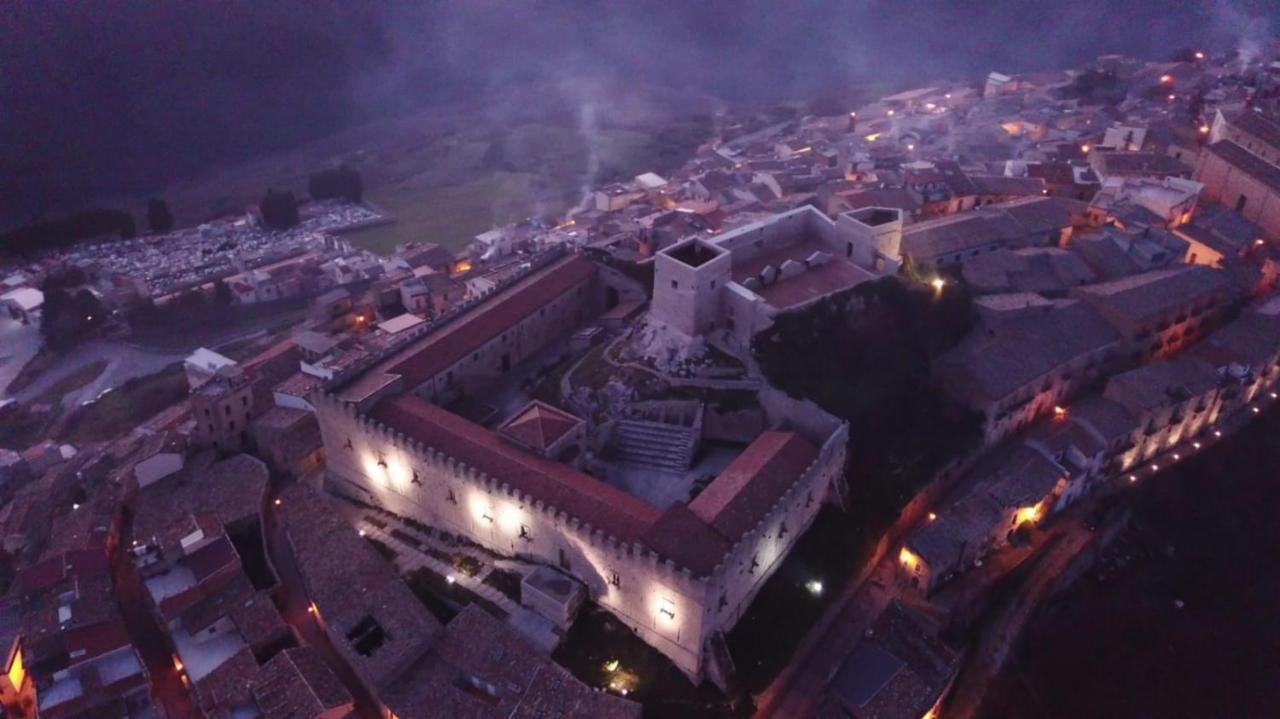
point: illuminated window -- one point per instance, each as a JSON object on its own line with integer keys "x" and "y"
{"x": 667, "y": 609}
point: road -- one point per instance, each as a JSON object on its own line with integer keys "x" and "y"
{"x": 294, "y": 605}
{"x": 149, "y": 638}
{"x": 124, "y": 361}
{"x": 800, "y": 686}
{"x": 18, "y": 344}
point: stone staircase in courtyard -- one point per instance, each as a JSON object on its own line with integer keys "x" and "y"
{"x": 654, "y": 444}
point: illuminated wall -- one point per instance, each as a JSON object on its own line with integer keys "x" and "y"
{"x": 666, "y": 606}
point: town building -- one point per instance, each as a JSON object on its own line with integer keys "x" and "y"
{"x": 222, "y": 408}
{"x": 413, "y": 665}
{"x": 1158, "y": 313}
{"x": 1240, "y": 168}
{"x": 1027, "y": 222}
{"x": 1021, "y": 366}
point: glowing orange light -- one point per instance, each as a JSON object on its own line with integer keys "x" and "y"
{"x": 1199, "y": 55}
{"x": 1059, "y": 412}
{"x": 932, "y": 516}
{"x": 1166, "y": 79}
{"x": 1172, "y": 97}
{"x": 1085, "y": 148}
{"x": 1204, "y": 129}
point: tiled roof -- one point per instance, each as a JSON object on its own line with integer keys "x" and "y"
{"x": 441, "y": 349}
{"x": 993, "y": 362}
{"x": 538, "y": 425}
{"x": 1258, "y": 125}
{"x": 481, "y": 669}
{"x": 1144, "y": 297}
{"x": 745, "y": 491}
{"x": 297, "y": 684}
{"x": 559, "y": 485}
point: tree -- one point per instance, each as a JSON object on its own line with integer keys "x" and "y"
{"x": 69, "y": 318}
{"x": 279, "y": 210}
{"x": 221, "y": 293}
{"x": 159, "y": 218}
{"x": 341, "y": 182}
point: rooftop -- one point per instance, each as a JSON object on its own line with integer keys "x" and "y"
{"x": 559, "y": 485}
{"x": 425, "y": 358}
{"x": 481, "y": 669}
{"x": 297, "y": 683}
{"x": 538, "y": 426}
{"x": 1148, "y": 296}
{"x": 996, "y": 360}
{"x": 1247, "y": 162}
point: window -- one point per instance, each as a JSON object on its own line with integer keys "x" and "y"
{"x": 1240, "y": 203}
{"x": 244, "y": 401}
{"x": 451, "y": 498}
{"x": 415, "y": 479}
{"x": 782, "y": 531}
{"x": 755, "y": 564}
{"x": 227, "y": 408}
{"x": 347, "y": 445}
{"x": 667, "y": 608}
{"x": 675, "y": 285}
{"x": 564, "y": 559}
{"x": 614, "y": 579}
{"x": 524, "y": 534}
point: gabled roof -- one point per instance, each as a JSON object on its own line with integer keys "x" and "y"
{"x": 744, "y": 491}
{"x": 538, "y": 425}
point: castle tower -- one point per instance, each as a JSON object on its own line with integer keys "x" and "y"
{"x": 873, "y": 237}
{"x": 687, "y": 281}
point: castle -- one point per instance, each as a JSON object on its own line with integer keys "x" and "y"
{"x": 680, "y": 576}
{"x": 735, "y": 283}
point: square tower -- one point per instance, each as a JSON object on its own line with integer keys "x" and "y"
{"x": 687, "y": 281}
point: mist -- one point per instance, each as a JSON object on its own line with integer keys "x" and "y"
{"x": 122, "y": 97}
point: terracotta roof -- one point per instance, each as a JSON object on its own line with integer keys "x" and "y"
{"x": 744, "y": 492}
{"x": 296, "y": 683}
{"x": 679, "y": 535}
{"x": 481, "y": 669}
{"x": 564, "y": 488}
{"x": 441, "y": 349}
{"x": 539, "y": 425}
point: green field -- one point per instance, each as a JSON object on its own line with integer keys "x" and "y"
{"x": 445, "y": 180}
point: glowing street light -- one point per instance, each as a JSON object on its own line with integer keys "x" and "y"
{"x": 814, "y": 586}
{"x": 932, "y": 517}
{"x": 1199, "y": 55}
{"x": 938, "y": 283}
{"x": 450, "y": 579}
{"x": 1195, "y": 445}
{"x": 1176, "y": 456}
{"x": 1133, "y": 478}
{"x": 1217, "y": 433}
{"x": 1166, "y": 79}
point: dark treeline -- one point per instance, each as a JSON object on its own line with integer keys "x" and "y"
{"x": 340, "y": 183}
{"x": 52, "y": 234}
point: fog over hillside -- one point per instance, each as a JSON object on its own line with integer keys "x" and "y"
{"x": 111, "y": 97}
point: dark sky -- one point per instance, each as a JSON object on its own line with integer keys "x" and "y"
{"x": 124, "y": 96}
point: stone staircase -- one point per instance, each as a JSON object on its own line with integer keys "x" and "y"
{"x": 654, "y": 444}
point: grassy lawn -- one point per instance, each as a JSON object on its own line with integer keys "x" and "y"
{"x": 450, "y": 215}
{"x": 127, "y": 406}
{"x": 71, "y": 382}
